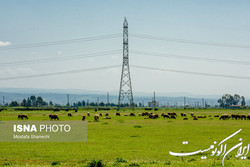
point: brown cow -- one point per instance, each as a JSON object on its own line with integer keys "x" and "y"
{"x": 107, "y": 114}
{"x": 172, "y": 113}
{"x": 118, "y": 114}
{"x": 132, "y": 114}
{"x": 83, "y": 117}
{"x": 22, "y": 116}
{"x": 69, "y": 115}
{"x": 224, "y": 116}
{"x": 53, "y": 117}
{"x": 96, "y": 117}
{"x": 201, "y": 116}
{"x": 243, "y": 116}
{"x": 183, "y": 114}
{"x": 153, "y": 116}
{"x": 173, "y": 117}
{"x": 166, "y": 116}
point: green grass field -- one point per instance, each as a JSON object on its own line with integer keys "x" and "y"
{"x": 131, "y": 141}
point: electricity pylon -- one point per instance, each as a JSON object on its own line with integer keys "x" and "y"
{"x": 125, "y": 84}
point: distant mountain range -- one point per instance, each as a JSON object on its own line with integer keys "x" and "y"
{"x": 59, "y": 96}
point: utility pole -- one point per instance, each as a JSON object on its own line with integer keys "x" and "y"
{"x": 125, "y": 84}
{"x": 154, "y": 103}
{"x": 68, "y": 100}
{"x": 107, "y": 99}
{"x": 184, "y": 101}
{"x": 3, "y": 101}
{"x": 203, "y": 103}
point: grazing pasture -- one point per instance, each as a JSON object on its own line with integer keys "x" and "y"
{"x": 132, "y": 140}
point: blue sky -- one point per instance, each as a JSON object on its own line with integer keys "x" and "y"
{"x": 224, "y": 21}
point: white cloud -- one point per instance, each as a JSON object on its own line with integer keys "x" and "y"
{"x": 4, "y": 43}
{"x": 59, "y": 52}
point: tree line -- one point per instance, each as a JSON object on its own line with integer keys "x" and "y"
{"x": 227, "y": 100}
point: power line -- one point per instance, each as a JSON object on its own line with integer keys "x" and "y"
{"x": 189, "y": 41}
{"x": 61, "y": 73}
{"x": 61, "y": 42}
{"x": 190, "y": 72}
{"x": 81, "y": 56}
{"x": 189, "y": 57}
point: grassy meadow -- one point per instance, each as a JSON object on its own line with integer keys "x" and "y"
{"x": 132, "y": 141}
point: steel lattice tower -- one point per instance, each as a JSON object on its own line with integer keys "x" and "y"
{"x": 125, "y": 84}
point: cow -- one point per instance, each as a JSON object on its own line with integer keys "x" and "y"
{"x": 195, "y": 118}
{"x": 224, "y": 116}
{"x": 173, "y": 117}
{"x": 183, "y": 114}
{"x": 139, "y": 114}
{"x": 69, "y": 115}
{"x": 88, "y": 114}
{"x": 100, "y": 114}
{"x": 153, "y": 116}
{"x": 248, "y": 117}
{"x": 216, "y": 116}
{"x": 75, "y": 110}
{"x": 22, "y": 117}
{"x": 165, "y": 116}
{"x": 172, "y": 113}
{"x": 107, "y": 114}
{"x": 117, "y": 114}
{"x": 53, "y": 117}
{"x": 83, "y": 117}
{"x": 107, "y": 118}
{"x": 201, "y": 116}
{"x": 192, "y": 114}
{"x": 96, "y": 117}
{"x": 185, "y": 118}
{"x": 243, "y": 116}
{"x": 144, "y": 114}
{"x": 132, "y": 114}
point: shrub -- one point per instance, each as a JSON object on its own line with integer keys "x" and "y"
{"x": 138, "y": 126}
{"x": 95, "y": 163}
{"x": 120, "y": 160}
{"x": 167, "y": 163}
{"x": 55, "y": 163}
{"x": 134, "y": 164}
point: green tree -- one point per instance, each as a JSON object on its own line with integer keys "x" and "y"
{"x": 24, "y": 103}
{"x": 243, "y": 102}
{"x": 227, "y": 100}
{"x": 50, "y": 103}
{"x": 33, "y": 101}
{"x": 236, "y": 99}
{"x": 39, "y": 101}
{"x": 13, "y": 104}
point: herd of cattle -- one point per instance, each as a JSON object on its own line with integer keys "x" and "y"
{"x": 150, "y": 115}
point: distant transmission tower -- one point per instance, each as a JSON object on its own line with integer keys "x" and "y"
{"x": 125, "y": 84}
